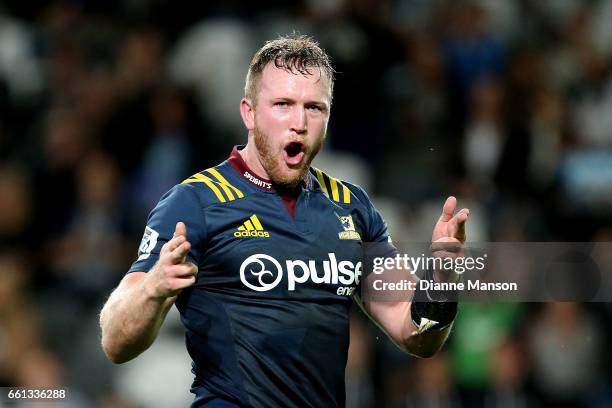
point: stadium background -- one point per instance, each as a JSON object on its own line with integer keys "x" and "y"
{"x": 106, "y": 104}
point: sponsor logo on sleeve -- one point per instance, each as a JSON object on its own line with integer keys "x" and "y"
{"x": 149, "y": 240}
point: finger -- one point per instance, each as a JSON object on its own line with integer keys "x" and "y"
{"x": 460, "y": 217}
{"x": 180, "y": 252}
{"x": 180, "y": 229}
{"x": 173, "y": 244}
{"x": 456, "y": 226}
{"x": 182, "y": 283}
{"x": 461, "y": 236}
{"x": 448, "y": 209}
{"x": 183, "y": 270}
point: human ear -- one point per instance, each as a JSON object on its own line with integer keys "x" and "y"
{"x": 247, "y": 111}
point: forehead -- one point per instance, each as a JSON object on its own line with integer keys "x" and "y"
{"x": 280, "y": 83}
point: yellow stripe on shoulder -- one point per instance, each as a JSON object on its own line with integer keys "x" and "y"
{"x": 334, "y": 189}
{"x": 226, "y": 185}
{"x": 213, "y": 185}
{"x": 203, "y": 179}
{"x": 321, "y": 178}
{"x": 333, "y": 186}
{"x": 346, "y": 194}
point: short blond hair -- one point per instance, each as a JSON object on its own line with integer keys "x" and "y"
{"x": 294, "y": 53}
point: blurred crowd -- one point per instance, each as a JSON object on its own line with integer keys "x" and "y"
{"x": 104, "y": 105}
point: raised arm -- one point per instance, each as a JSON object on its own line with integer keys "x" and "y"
{"x": 134, "y": 312}
{"x": 399, "y": 316}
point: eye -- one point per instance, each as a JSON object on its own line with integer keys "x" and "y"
{"x": 315, "y": 108}
{"x": 281, "y": 104}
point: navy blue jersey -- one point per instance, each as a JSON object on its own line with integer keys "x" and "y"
{"x": 267, "y": 322}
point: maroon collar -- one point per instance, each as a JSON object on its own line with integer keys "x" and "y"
{"x": 243, "y": 170}
{"x": 238, "y": 163}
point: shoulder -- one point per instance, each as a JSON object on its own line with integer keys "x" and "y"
{"x": 212, "y": 186}
{"x": 354, "y": 199}
{"x": 340, "y": 191}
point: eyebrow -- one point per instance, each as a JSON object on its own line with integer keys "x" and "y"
{"x": 311, "y": 102}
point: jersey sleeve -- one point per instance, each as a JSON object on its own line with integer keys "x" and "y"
{"x": 181, "y": 203}
{"x": 376, "y": 243}
{"x": 376, "y": 229}
{"x": 376, "y": 237}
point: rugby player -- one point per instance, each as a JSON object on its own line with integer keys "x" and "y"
{"x": 262, "y": 254}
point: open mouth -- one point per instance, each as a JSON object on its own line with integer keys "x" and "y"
{"x": 294, "y": 148}
{"x": 294, "y": 153}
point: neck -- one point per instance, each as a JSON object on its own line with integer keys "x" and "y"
{"x": 251, "y": 158}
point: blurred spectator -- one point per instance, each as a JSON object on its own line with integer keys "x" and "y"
{"x": 478, "y": 332}
{"x": 64, "y": 142}
{"x": 89, "y": 256}
{"x": 547, "y": 137}
{"x": 212, "y": 58}
{"x": 416, "y": 98}
{"x": 19, "y": 66}
{"x": 362, "y": 46}
{"x": 168, "y": 157}
{"x": 15, "y": 207}
{"x": 484, "y": 136}
{"x": 524, "y": 76}
{"x": 509, "y": 370}
{"x": 18, "y": 322}
{"x": 359, "y": 392}
{"x": 566, "y": 348}
{"x": 138, "y": 70}
{"x": 433, "y": 386}
{"x": 471, "y": 51}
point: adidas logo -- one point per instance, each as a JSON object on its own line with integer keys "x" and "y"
{"x": 251, "y": 228}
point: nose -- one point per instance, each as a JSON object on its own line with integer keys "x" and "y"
{"x": 299, "y": 121}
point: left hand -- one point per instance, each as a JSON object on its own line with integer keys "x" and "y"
{"x": 450, "y": 225}
{"x": 448, "y": 235}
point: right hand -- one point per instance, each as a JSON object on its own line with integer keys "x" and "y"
{"x": 171, "y": 274}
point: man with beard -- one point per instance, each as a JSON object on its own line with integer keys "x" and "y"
{"x": 263, "y": 253}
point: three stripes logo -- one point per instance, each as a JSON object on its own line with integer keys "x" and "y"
{"x": 251, "y": 228}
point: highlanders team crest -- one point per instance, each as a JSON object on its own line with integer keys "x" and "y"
{"x": 349, "y": 228}
{"x": 148, "y": 242}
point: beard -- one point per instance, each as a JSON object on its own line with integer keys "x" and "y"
{"x": 284, "y": 177}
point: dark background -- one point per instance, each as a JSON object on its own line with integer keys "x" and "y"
{"x": 104, "y": 105}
